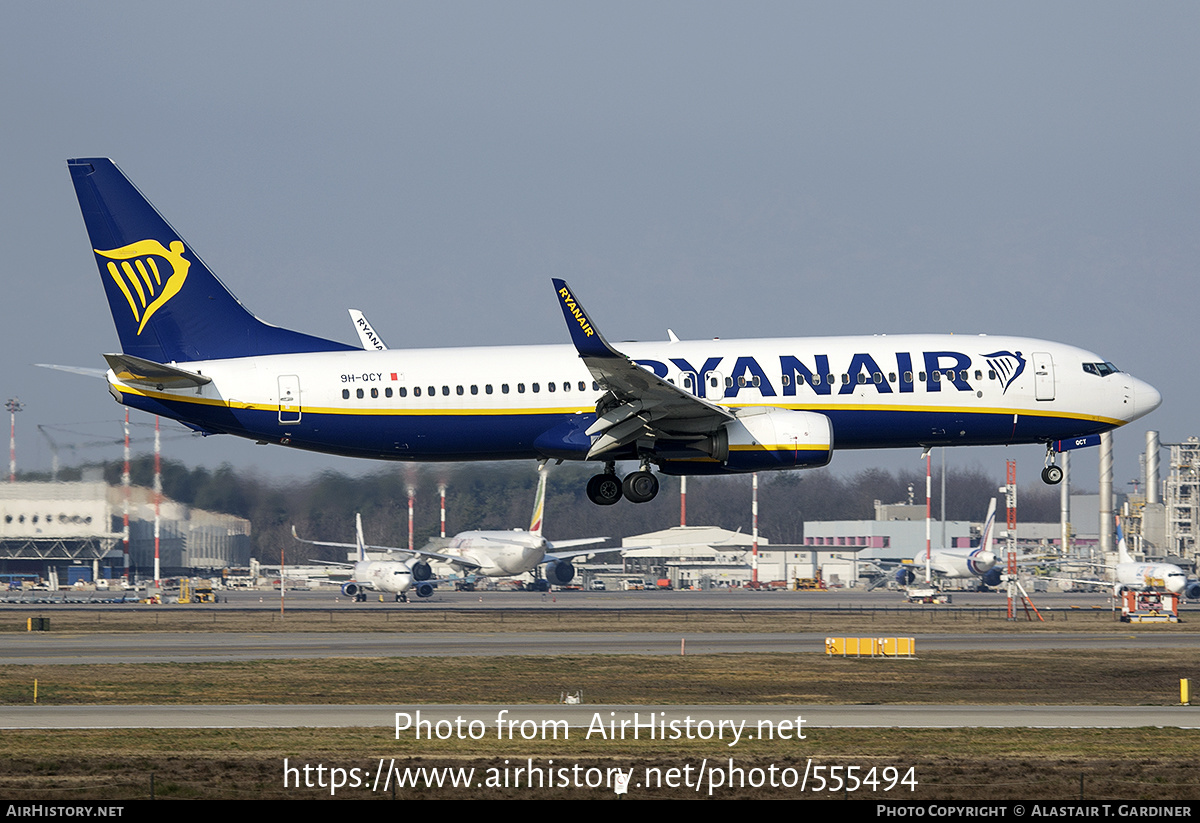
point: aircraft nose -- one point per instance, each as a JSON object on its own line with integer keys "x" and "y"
{"x": 1146, "y": 398}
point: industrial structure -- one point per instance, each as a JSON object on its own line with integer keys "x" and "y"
{"x": 74, "y": 532}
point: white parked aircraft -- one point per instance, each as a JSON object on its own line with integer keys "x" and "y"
{"x": 192, "y": 352}
{"x": 958, "y": 563}
{"x": 512, "y": 553}
{"x": 395, "y": 577}
{"x": 1130, "y": 574}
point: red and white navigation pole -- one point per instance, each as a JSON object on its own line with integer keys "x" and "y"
{"x": 442, "y": 495}
{"x": 411, "y": 492}
{"x": 125, "y": 507}
{"x": 158, "y": 504}
{"x": 754, "y": 516}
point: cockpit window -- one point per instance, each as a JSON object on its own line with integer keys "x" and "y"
{"x": 1100, "y": 369}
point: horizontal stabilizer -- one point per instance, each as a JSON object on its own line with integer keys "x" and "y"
{"x": 84, "y": 370}
{"x": 130, "y": 369}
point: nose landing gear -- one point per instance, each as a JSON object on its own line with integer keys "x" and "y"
{"x": 1052, "y": 475}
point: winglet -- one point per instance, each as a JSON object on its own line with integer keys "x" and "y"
{"x": 588, "y": 340}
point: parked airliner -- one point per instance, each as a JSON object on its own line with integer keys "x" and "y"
{"x": 396, "y": 577}
{"x": 466, "y": 554}
{"x": 191, "y": 351}
{"x": 1132, "y": 575}
{"x": 957, "y": 563}
{"x": 512, "y": 553}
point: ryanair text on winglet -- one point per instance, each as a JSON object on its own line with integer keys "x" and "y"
{"x": 576, "y": 312}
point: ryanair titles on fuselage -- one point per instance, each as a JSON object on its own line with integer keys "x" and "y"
{"x": 950, "y": 368}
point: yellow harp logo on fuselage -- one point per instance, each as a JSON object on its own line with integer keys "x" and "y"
{"x": 139, "y": 278}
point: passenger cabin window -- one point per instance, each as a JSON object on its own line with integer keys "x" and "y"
{"x": 345, "y": 394}
{"x": 359, "y": 392}
{"x": 374, "y": 393}
{"x": 487, "y": 389}
{"x": 504, "y": 388}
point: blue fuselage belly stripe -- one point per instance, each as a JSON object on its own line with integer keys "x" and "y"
{"x": 512, "y": 436}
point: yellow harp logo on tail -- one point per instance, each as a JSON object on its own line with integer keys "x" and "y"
{"x": 139, "y": 278}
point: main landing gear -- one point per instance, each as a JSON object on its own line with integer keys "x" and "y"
{"x": 638, "y": 487}
{"x": 1052, "y": 475}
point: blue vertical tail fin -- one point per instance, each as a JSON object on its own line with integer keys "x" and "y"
{"x": 165, "y": 302}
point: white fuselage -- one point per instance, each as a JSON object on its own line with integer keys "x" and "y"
{"x": 1159, "y": 576}
{"x": 528, "y": 401}
{"x": 961, "y": 563}
{"x": 386, "y": 576}
{"x": 499, "y": 553}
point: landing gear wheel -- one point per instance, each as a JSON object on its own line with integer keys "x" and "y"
{"x": 640, "y": 487}
{"x": 1052, "y": 475}
{"x": 604, "y": 489}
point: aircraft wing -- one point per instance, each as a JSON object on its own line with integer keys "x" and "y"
{"x": 555, "y": 545}
{"x": 551, "y": 556}
{"x": 638, "y": 403}
{"x": 443, "y": 558}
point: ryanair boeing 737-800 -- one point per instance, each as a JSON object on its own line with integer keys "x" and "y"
{"x": 190, "y": 351}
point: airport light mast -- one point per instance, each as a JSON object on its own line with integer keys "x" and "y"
{"x": 13, "y": 405}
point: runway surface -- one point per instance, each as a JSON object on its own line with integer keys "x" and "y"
{"x": 529, "y": 719}
{"x": 174, "y": 647}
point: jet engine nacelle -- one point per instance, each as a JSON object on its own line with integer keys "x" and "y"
{"x": 768, "y": 438}
{"x": 991, "y": 577}
{"x": 351, "y": 589}
{"x": 560, "y": 572}
{"x": 423, "y": 589}
{"x": 421, "y": 571}
{"x": 1192, "y": 590}
{"x": 905, "y": 576}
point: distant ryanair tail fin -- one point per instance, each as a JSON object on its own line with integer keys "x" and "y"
{"x": 165, "y": 302}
